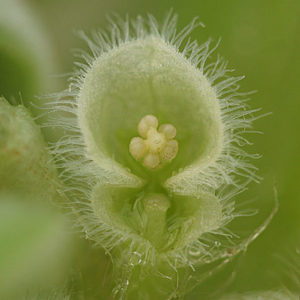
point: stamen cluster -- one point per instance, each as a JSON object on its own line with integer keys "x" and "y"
{"x": 154, "y": 147}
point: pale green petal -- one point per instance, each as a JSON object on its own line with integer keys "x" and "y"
{"x": 148, "y": 77}
{"x": 190, "y": 217}
{"x": 168, "y": 227}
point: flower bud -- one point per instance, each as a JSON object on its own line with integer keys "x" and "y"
{"x": 26, "y": 165}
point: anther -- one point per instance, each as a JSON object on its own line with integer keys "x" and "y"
{"x": 156, "y": 146}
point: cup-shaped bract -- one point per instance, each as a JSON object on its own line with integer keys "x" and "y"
{"x": 153, "y": 141}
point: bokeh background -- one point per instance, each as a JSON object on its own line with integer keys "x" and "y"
{"x": 260, "y": 38}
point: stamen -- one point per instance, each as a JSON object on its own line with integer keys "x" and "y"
{"x": 157, "y": 146}
{"x": 137, "y": 147}
{"x": 151, "y": 161}
{"x": 146, "y": 123}
{"x": 170, "y": 150}
{"x": 168, "y": 129}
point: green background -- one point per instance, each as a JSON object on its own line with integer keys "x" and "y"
{"x": 260, "y": 38}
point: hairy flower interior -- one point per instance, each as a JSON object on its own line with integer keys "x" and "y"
{"x": 148, "y": 77}
{"x": 156, "y": 146}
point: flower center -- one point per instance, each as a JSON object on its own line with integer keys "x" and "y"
{"x": 154, "y": 147}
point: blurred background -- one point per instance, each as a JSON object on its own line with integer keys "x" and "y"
{"x": 260, "y": 39}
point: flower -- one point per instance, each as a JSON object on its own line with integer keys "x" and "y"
{"x": 152, "y": 198}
